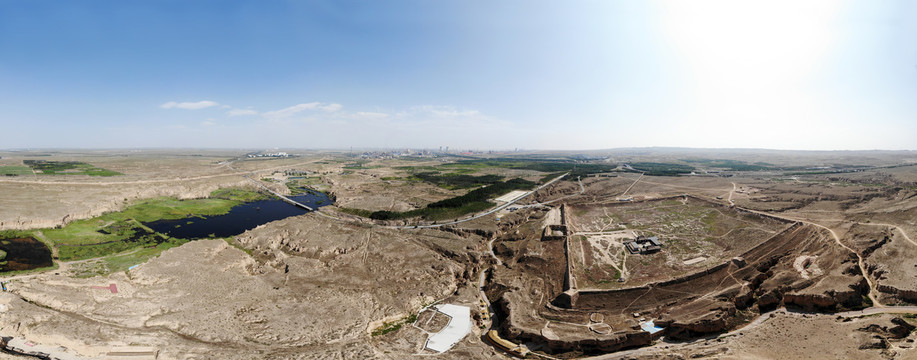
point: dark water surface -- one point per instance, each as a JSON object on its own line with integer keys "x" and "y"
{"x": 239, "y": 219}
{"x": 24, "y": 254}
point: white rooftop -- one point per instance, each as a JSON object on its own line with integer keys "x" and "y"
{"x": 459, "y": 326}
{"x": 24, "y": 346}
{"x": 512, "y": 195}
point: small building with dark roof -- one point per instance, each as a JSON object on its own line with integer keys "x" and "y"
{"x": 644, "y": 245}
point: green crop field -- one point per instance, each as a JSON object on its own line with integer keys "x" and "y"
{"x": 13, "y": 170}
{"x": 46, "y": 167}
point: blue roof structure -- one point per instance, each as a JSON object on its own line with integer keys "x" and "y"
{"x": 650, "y": 327}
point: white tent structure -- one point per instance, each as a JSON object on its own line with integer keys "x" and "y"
{"x": 459, "y": 326}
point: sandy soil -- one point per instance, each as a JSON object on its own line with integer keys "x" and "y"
{"x": 311, "y": 287}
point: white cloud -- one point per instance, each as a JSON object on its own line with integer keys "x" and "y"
{"x": 290, "y": 111}
{"x": 331, "y": 107}
{"x": 444, "y": 111}
{"x": 241, "y": 112}
{"x": 209, "y": 122}
{"x": 369, "y": 115}
{"x": 189, "y": 105}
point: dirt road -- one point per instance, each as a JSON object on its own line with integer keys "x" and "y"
{"x": 671, "y": 345}
{"x": 837, "y": 240}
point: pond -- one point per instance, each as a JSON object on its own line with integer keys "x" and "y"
{"x": 239, "y": 219}
{"x": 24, "y": 254}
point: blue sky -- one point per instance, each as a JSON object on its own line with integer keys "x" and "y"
{"x": 465, "y": 74}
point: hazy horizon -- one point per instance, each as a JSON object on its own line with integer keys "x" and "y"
{"x": 501, "y": 150}
{"x": 815, "y": 75}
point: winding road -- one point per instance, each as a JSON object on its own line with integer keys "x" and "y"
{"x": 837, "y": 239}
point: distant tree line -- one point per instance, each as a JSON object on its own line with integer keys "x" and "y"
{"x": 662, "y": 169}
{"x": 458, "y": 181}
{"x": 475, "y": 200}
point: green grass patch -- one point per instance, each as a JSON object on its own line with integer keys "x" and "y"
{"x": 13, "y": 234}
{"x": 733, "y": 165}
{"x": 454, "y": 181}
{"x": 78, "y": 252}
{"x": 550, "y": 177}
{"x": 542, "y": 165}
{"x": 236, "y": 194}
{"x": 867, "y": 302}
{"x": 394, "y": 325}
{"x": 662, "y": 169}
{"x": 118, "y": 263}
{"x": 46, "y": 167}
{"x": 232, "y": 242}
{"x": 470, "y": 166}
{"x": 120, "y": 231}
{"x": 414, "y": 169}
{"x": 12, "y": 170}
{"x": 474, "y": 201}
{"x": 357, "y": 212}
{"x": 122, "y": 261}
{"x": 360, "y": 164}
{"x": 23, "y": 272}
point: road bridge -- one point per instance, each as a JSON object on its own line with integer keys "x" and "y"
{"x": 284, "y": 198}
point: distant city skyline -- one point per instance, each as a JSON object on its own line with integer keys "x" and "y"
{"x": 584, "y": 75}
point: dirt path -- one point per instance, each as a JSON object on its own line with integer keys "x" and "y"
{"x": 490, "y": 249}
{"x": 679, "y": 186}
{"x": 41, "y": 237}
{"x": 892, "y": 226}
{"x": 837, "y": 240}
{"x": 624, "y": 273}
{"x": 632, "y": 185}
{"x": 872, "y": 286}
{"x": 63, "y": 266}
{"x": 671, "y": 345}
{"x": 730, "y": 194}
